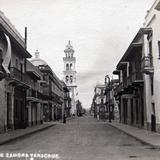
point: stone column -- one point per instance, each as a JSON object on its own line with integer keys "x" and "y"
{"x": 29, "y": 114}
{"x": 147, "y": 86}
{"x": 38, "y": 113}
{"x": 129, "y": 111}
{"x": 134, "y": 111}
{"x": 12, "y": 109}
{"x": 63, "y": 110}
{"x": 41, "y": 113}
{"x": 122, "y": 114}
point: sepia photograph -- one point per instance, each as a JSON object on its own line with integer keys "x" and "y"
{"x": 79, "y": 80}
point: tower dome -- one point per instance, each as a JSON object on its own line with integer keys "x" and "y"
{"x": 69, "y": 48}
{"x": 38, "y": 61}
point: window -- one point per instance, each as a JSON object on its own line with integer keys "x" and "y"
{"x": 71, "y": 79}
{"x": 153, "y": 108}
{"x": 24, "y": 62}
{"x": 150, "y": 47}
{"x": 16, "y": 63}
{"x": 67, "y": 66}
{"x": 101, "y": 91}
{"x": 159, "y": 49}
{"x": 102, "y": 101}
{"x": 21, "y": 67}
{"x": 71, "y": 66}
{"x": 67, "y": 78}
{"x": 152, "y": 86}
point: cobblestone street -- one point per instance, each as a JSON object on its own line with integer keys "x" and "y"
{"x": 82, "y": 139}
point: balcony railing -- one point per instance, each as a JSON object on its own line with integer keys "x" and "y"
{"x": 147, "y": 64}
{"x": 18, "y": 75}
{"x": 32, "y": 93}
{"x": 135, "y": 77}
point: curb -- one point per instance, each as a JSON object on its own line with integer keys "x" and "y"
{"x": 135, "y": 137}
{"x": 25, "y": 134}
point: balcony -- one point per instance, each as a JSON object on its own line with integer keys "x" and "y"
{"x": 34, "y": 96}
{"x": 66, "y": 96}
{"x": 119, "y": 89}
{"x": 69, "y": 58}
{"x": 147, "y": 65}
{"x": 18, "y": 78}
{"x": 32, "y": 93}
{"x": 135, "y": 78}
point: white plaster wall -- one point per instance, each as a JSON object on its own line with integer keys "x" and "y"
{"x": 3, "y": 106}
{"x": 153, "y": 21}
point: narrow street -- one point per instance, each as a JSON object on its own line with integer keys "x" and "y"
{"x": 82, "y": 139}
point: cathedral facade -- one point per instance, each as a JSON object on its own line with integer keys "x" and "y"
{"x": 70, "y": 75}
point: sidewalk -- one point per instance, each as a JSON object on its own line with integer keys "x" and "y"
{"x": 147, "y": 137}
{"x": 20, "y": 133}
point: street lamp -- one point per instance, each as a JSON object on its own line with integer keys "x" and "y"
{"x": 109, "y": 88}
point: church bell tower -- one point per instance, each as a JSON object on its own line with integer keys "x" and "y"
{"x": 70, "y": 74}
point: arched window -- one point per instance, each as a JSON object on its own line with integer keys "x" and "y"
{"x": 71, "y": 66}
{"x": 67, "y": 66}
{"x": 16, "y": 63}
{"x": 71, "y": 79}
{"x": 67, "y": 78}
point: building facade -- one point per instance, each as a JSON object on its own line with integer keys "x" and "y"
{"x": 34, "y": 97}
{"x": 70, "y": 75}
{"x": 152, "y": 72}
{"x": 14, "y": 85}
{"x": 111, "y": 103}
{"x": 52, "y": 90}
{"x": 130, "y": 91}
{"x": 138, "y": 91}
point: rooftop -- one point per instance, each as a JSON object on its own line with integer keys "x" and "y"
{"x": 10, "y": 28}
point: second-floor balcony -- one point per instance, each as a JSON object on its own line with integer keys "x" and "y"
{"x": 147, "y": 64}
{"x": 34, "y": 95}
{"x": 134, "y": 79}
{"x": 18, "y": 78}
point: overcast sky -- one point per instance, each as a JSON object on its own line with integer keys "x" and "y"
{"x": 100, "y": 32}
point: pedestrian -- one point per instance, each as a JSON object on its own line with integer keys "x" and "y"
{"x": 64, "y": 118}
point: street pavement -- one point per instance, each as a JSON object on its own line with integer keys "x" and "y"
{"x": 82, "y": 138}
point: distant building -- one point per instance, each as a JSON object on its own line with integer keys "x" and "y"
{"x": 99, "y": 102}
{"x": 111, "y": 103}
{"x": 67, "y": 101}
{"x": 79, "y": 108}
{"x": 70, "y": 75}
